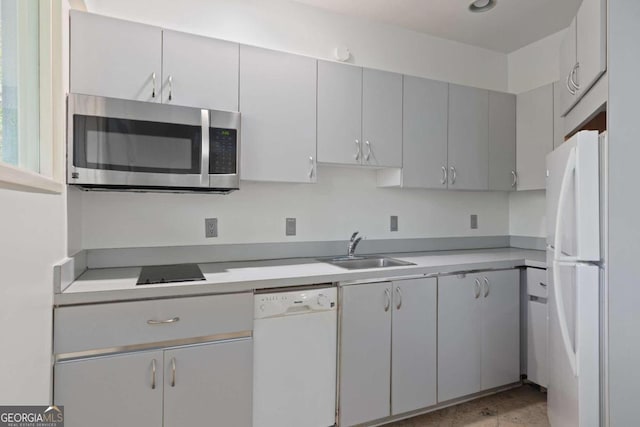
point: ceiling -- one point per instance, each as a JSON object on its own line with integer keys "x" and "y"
{"x": 510, "y": 25}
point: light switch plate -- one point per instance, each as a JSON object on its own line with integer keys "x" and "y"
{"x": 474, "y": 222}
{"x": 210, "y": 227}
{"x": 290, "y": 229}
{"x": 393, "y": 226}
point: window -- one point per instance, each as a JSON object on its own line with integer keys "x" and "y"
{"x": 20, "y": 88}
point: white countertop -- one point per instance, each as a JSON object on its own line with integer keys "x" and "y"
{"x": 119, "y": 284}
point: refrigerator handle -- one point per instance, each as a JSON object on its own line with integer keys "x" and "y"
{"x": 560, "y": 260}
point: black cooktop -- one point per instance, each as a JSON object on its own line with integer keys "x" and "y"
{"x": 169, "y": 274}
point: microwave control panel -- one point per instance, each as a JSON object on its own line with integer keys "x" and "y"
{"x": 223, "y": 151}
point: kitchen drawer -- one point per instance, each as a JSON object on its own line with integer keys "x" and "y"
{"x": 105, "y": 326}
{"x": 537, "y": 282}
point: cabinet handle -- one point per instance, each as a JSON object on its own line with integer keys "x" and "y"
{"x": 443, "y": 181}
{"x": 387, "y": 297}
{"x": 544, "y": 285}
{"x": 163, "y": 322}
{"x": 453, "y": 175}
{"x": 486, "y": 287}
{"x": 153, "y": 78}
{"x": 153, "y": 374}
{"x": 515, "y": 179}
{"x": 399, "y": 293}
{"x": 477, "y": 287}
{"x": 569, "y": 88}
{"x": 368, "y": 155}
{"x": 170, "y": 88}
{"x": 313, "y": 167}
{"x": 574, "y": 76}
{"x": 358, "y": 150}
{"x": 173, "y": 372}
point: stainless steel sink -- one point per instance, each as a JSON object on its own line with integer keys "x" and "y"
{"x": 364, "y": 262}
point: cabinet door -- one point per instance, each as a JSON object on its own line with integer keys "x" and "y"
{"x": 126, "y": 387}
{"x": 199, "y": 72}
{"x": 591, "y": 42}
{"x": 468, "y": 138}
{"x": 537, "y": 344}
{"x": 339, "y": 113}
{"x": 568, "y": 58}
{"x": 424, "y": 133}
{"x": 382, "y": 118}
{"x": 414, "y": 355}
{"x": 459, "y": 327}
{"x": 558, "y": 120}
{"x": 278, "y": 105}
{"x": 365, "y": 353}
{"x": 500, "y": 328}
{"x": 115, "y": 58}
{"x": 502, "y": 141}
{"x": 534, "y": 136}
{"x": 211, "y": 380}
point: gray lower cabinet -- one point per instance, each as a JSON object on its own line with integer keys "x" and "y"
{"x": 388, "y": 349}
{"x": 502, "y": 141}
{"x": 121, "y": 390}
{"x": 365, "y": 353}
{"x": 278, "y": 105}
{"x": 194, "y": 385}
{"x": 413, "y": 345}
{"x": 478, "y": 332}
{"x": 468, "y": 148}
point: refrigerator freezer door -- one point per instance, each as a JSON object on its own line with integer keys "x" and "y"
{"x": 573, "y": 202}
{"x": 574, "y": 396}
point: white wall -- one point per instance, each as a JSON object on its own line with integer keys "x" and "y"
{"x": 32, "y": 240}
{"x": 298, "y": 28}
{"x": 343, "y": 200}
{"x": 532, "y": 66}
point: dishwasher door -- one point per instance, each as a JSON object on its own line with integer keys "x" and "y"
{"x": 295, "y": 353}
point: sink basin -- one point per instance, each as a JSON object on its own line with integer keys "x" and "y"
{"x": 359, "y": 263}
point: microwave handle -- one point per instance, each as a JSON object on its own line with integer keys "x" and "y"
{"x": 204, "y": 168}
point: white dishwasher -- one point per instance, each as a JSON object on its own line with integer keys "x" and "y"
{"x": 294, "y": 358}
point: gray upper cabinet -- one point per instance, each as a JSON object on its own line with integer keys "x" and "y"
{"x": 459, "y": 329}
{"x": 278, "y": 105}
{"x": 535, "y": 136}
{"x": 114, "y": 58}
{"x": 502, "y": 141}
{"x": 468, "y": 138}
{"x": 208, "y": 380}
{"x": 558, "y": 120}
{"x": 339, "y": 113}
{"x": 591, "y": 43}
{"x": 424, "y": 129}
{"x": 199, "y": 71}
{"x": 500, "y": 328}
{"x": 414, "y": 338}
{"x": 128, "y": 386}
{"x": 381, "y": 118}
{"x": 365, "y": 358}
{"x": 568, "y": 60}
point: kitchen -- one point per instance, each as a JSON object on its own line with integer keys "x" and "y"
{"x": 315, "y": 125}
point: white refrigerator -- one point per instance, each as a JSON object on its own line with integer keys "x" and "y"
{"x": 576, "y": 192}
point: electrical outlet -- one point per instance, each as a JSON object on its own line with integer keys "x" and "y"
{"x": 290, "y": 228}
{"x": 474, "y": 222}
{"x": 394, "y": 223}
{"x": 210, "y": 227}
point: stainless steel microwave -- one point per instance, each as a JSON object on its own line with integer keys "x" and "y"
{"x": 122, "y": 145}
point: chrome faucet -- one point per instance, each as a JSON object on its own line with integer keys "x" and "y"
{"x": 353, "y": 243}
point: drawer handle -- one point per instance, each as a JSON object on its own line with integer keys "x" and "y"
{"x": 163, "y": 322}
{"x": 543, "y": 285}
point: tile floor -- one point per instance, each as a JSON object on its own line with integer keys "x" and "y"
{"x": 523, "y": 406}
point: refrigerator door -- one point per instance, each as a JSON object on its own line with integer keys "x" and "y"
{"x": 574, "y": 371}
{"x": 573, "y": 202}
